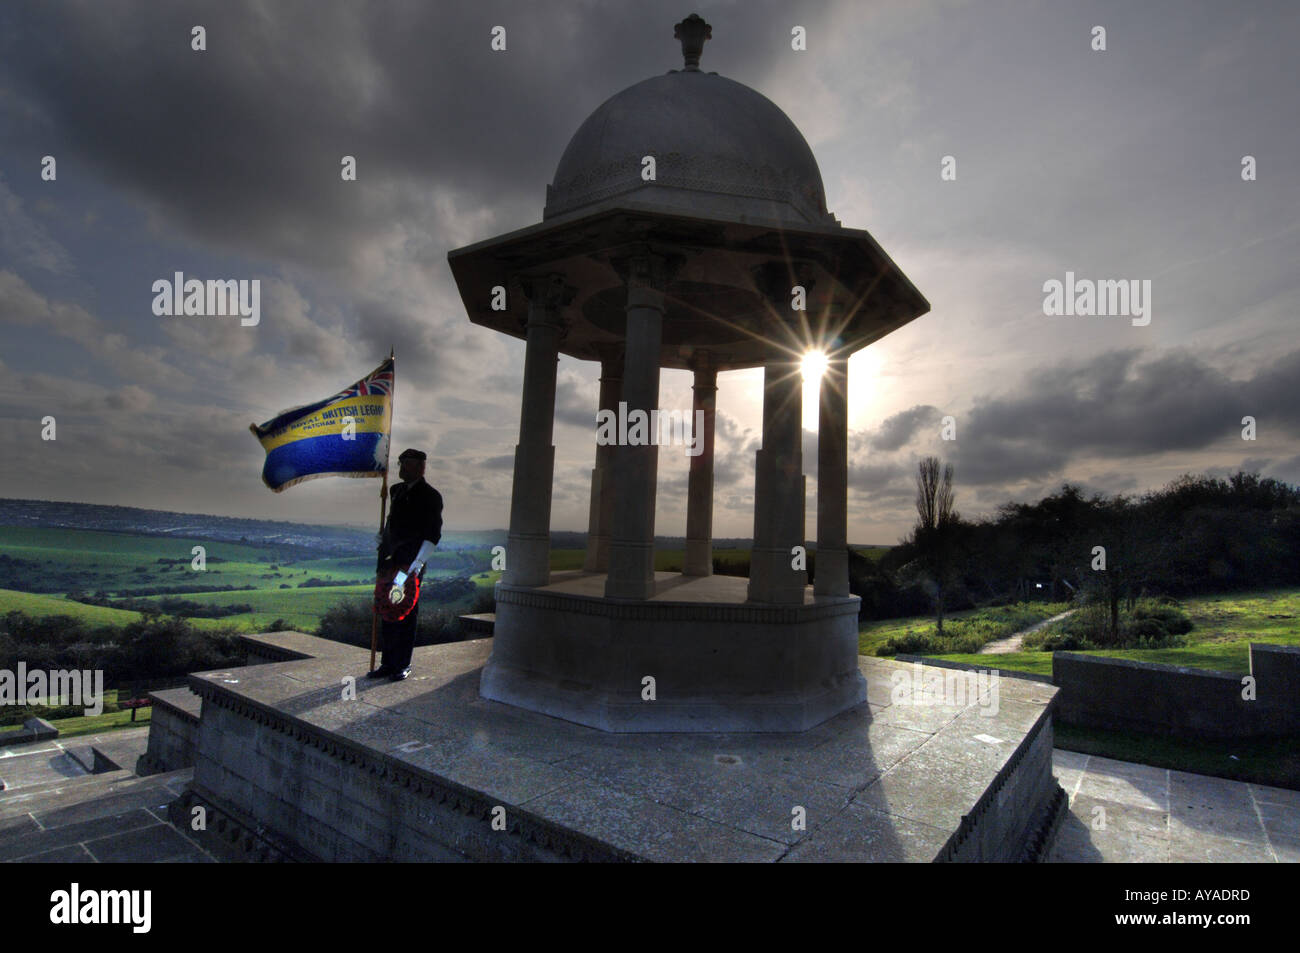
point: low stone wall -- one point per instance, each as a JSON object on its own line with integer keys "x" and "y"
{"x": 327, "y": 799}
{"x": 1277, "y": 676}
{"x": 173, "y": 732}
{"x": 33, "y": 729}
{"x": 1192, "y": 703}
{"x": 263, "y": 651}
{"x": 1016, "y": 817}
{"x": 478, "y": 625}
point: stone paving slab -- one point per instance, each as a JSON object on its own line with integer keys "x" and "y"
{"x": 1122, "y": 812}
{"x": 103, "y": 806}
{"x": 71, "y": 854}
{"x": 859, "y": 830}
{"x": 158, "y": 843}
{"x": 651, "y": 830}
{"x": 1287, "y": 849}
{"x": 1280, "y": 821}
{"x": 927, "y": 788}
{"x": 12, "y": 848}
{"x": 27, "y": 769}
{"x": 40, "y": 765}
{"x": 91, "y": 787}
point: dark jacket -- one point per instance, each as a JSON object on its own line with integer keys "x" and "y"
{"x": 414, "y": 515}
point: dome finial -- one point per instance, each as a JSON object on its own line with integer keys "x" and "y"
{"x": 692, "y": 31}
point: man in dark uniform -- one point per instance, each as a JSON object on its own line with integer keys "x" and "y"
{"x": 414, "y": 516}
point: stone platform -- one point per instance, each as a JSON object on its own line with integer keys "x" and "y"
{"x": 427, "y": 769}
{"x": 719, "y": 661}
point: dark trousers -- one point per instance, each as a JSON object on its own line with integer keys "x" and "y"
{"x": 397, "y": 640}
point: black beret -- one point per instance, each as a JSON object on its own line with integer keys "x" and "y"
{"x": 412, "y": 455}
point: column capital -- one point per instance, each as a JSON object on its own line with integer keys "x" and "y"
{"x": 549, "y": 291}
{"x": 647, "y": 267}
{"x": 547, "y": 295}
{"x": 702, "y": 361}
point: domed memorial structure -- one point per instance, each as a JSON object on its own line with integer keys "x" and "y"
{"x": 686, "y": 219}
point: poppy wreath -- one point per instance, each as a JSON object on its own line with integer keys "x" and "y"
{"x": 388, "y": 611}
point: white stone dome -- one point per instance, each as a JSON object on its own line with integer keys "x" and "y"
{"x": 721, "y": 150}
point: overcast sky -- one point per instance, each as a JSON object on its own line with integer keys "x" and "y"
{"x": 1117, "y": 164}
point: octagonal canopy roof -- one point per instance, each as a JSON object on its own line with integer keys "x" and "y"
{"x": 720, "y": 148}
{"x": 736, "y": 205}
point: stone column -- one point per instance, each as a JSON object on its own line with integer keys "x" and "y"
{"x": 699, "y": 496}
{"x": 528, "y": 550}
{"x": 778, "y": 488}
{"x": 631, "y": 548}
{"x": 601, "y": 513}
{"x": 832, "y": 575}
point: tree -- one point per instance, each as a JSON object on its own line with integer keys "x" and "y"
{"x": 934, "y": 536}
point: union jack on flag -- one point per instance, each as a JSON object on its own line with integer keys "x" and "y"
{"x": 379, "y": 381}
{"x": 343, "y": 435}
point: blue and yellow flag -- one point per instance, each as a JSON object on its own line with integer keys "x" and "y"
{"x": 344, "y": 435}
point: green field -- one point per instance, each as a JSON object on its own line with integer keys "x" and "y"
{"x": 91, "y": 560}
{"x": 39, "y": 605}
{"x": 1224, "y": 627}
{"x": 116, "y": 563}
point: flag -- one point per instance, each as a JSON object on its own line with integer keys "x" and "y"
{"x": 344, "y": 435}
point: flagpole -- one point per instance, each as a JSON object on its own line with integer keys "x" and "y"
{"x": 383, "y": 504}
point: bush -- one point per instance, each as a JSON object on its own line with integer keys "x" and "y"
{"x": 931, "y": 643}
{"x": 149, "y": 649}
{"x": 1153, "y": 624}
{"x": 1169, "y": 617}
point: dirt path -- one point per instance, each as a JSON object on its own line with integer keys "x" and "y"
{"x": 1012, "y": 643}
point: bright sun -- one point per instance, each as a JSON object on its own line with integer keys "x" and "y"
{"x": 813, "y": 365}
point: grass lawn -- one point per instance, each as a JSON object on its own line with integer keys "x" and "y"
{"x": 1275, "y": 762}
{"x": 90, "y": 724}
{"x": 1224, "y": 627}
{"x": 81, "y": 724}
{"x": 39, "y": 606}
{"x": 94, "y": 724}
{"x": 986, "y": 625}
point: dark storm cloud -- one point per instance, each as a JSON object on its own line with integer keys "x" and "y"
{"x": 382, "y": 326}
{"x": 1115, "y": 405}
{"x": 574, "y": 405}
{"x": 733, "y": 457}
{"x": 457, "y": 408}
{"x": 241, "y": 144}
{"x": 901, "y": 427}
{"x": 887, "y": 480}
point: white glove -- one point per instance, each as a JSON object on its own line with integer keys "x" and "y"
{"x": 426, "y": 550}
{"x": 398, "y": 593}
